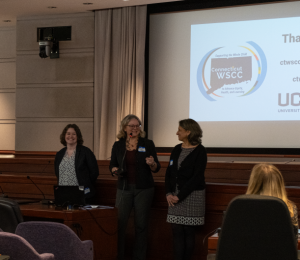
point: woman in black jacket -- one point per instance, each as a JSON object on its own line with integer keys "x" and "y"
{"x": 76, "y": 165}
{"x": 133, "y": 159}
{"x": 185, "y": 188}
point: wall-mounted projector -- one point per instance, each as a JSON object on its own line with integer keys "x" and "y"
{"x": 48, "y": 39}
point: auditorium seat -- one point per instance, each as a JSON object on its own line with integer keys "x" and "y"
{"x": 17, "y": 248}
{"x": 256, "y": 227}
{"x": 10, "y": 215}
{"x": 57, "y": 239}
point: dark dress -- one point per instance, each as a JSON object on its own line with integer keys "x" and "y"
{"x": 185, "y": 179}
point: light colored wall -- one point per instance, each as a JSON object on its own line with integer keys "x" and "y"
{"x": 7, "y": 87}
{"x": 52, "y": 93}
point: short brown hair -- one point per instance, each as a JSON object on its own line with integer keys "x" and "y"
{"x": 191, "y": 125}
{"x": 78, "y": 133}
{"x": 124, "y": 122}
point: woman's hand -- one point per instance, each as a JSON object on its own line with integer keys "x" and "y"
{"x": 114, "y": 169}
{"x": 150, "y": 161}
{"x": 172, "y": 200}
{"x": 175, "y": 199}
{"x": 169, "y": 200}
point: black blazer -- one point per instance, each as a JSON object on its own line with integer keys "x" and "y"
{"x": 144, "y": 178}
{"x": 86, "y": 167}
{"x": 190, "y": 175}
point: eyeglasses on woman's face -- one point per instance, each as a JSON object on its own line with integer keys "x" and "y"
{"x": 134, "y": 126}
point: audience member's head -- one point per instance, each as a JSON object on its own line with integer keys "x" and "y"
{"x": 266, "y": 179}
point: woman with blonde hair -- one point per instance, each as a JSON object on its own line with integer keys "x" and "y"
{"x": 266, "y": 179}
{"x": 133, "y": 160}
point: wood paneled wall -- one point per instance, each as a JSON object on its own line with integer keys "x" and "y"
{"x": 224, "y": 182}
{"x": 52, "y": 93}
{"x": 216, "y": 172}
{"x": 7, "y": 87}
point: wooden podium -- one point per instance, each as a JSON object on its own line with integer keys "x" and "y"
{"x": 99, "y": 225}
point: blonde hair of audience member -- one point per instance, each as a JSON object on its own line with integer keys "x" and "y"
{"x": 266, "y": 179}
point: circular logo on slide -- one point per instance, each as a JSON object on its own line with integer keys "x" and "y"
{"x": 233, "y": 71}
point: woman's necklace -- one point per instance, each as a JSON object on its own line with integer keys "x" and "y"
{"x": 70, "y": 152}
{"x": 130, "y": 146}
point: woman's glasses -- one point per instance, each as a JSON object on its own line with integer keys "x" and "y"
{"x": 134, "y": 126}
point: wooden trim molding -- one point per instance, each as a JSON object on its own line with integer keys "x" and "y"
{"x": 51, "y": 154}
{"x": 30, "y": 154}
{"x": 243, "y": 155}
{"x": 9, "y": 152}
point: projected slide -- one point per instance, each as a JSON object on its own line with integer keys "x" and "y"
{"x": 245, "y": 71}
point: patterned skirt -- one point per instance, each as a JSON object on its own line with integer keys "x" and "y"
{"x": 190, "y": 211}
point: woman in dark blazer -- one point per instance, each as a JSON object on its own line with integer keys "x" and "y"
{"x": 76, "y": 165}
{"x": 185, "y": 188}
{"x": 136, "y": 157}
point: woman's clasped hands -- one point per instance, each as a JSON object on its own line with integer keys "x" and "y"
{"x": 172, "y": 199}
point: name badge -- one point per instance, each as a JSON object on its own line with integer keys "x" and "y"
{"x": 142, "y": 149}
{"x": 171, "y": 162}
{"x": 86, "y": 190}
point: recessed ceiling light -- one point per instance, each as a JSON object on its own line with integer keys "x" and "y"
{"x": 7, "y": 21}
{"x": 125, "y": 0}
{"x": 52, "y": 7}
{"x": 87, "y": 3}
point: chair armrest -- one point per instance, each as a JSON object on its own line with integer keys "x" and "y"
{"x": 47, "y": 256}
{"x": 4, "y": 257}
{"x": 88, "y": 245}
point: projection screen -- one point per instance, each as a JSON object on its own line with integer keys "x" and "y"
{"x": 234, "y": 70}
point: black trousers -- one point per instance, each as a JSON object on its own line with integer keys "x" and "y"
{"x": 140, "y": 200}
{"x": 183, "y": 241}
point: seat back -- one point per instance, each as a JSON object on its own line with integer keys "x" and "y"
{"x": 10, "y": 215}
{"x": 257, "y": 227}
{"x": 55, "y": 238}
{"x": 19, "y": 249}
